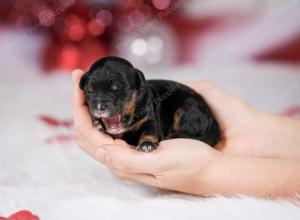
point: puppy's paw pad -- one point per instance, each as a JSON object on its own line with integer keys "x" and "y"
{"x": 147, "y": 146}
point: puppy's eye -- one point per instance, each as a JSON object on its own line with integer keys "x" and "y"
{"x": 114, "y": 87}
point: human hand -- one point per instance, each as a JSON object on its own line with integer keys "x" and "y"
{"x": 178, "y": 164}
{"x": 191, "y": 166}
{"x": 247, "y": 131}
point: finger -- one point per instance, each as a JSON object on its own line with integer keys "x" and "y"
{"x": 139, "y": 178}
{"x": 84, "y": 145}
{"x": 81, "y": 114}
{"x": 126, "y": 159}
{"x": 76, "y": 76}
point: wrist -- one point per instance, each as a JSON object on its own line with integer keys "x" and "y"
{"x": 232, "y": 175}
{"x": 206, "y": 177}
{"x": 290, "y": 127}
{"x": 279, "y": 136}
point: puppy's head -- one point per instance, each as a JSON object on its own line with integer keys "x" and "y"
{"x": 112, "y": 86}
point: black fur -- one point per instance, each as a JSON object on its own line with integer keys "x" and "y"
{"x": 150, "y": 110}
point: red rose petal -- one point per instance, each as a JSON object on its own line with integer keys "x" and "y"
{"x": 49, "y": 120}
{"x": 23, "y": 215}
{"x": 53, "y": 122}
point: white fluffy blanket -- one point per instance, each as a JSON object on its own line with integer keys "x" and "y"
{"x": 43, "y": 170}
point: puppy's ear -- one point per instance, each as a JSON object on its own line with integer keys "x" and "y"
{"x": 140, "y": 79}
{"x": 83, "y": 81}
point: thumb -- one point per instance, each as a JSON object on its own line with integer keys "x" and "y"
{"x": 78, "y": 95}
{"x": 76, "y": 75}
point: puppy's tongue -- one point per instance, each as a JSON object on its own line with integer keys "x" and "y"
{"x": 113, "y": 124}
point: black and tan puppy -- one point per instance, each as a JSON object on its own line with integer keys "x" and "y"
{"x": 144, "y": 112}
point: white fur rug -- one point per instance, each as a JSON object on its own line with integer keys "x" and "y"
{"x": 43, "y": 170}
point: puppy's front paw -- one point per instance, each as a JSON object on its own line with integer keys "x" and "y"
{"x": 98, "y": 125}
{"x": 147, "y": 146}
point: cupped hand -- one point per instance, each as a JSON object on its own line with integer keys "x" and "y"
{"x": 178, "y": 164}
{"x": 247, "y": 131}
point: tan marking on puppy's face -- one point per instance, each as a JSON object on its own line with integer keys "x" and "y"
{"x": 177, "y": 119}
{"x": 129, "y": 107}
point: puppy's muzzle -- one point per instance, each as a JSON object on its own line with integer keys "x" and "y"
{"x": 100, "y": 108}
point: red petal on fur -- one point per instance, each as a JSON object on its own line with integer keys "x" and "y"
{"x": 23, "y": 215}
{"x": 50, "y": 121}
{"x": 67, "y": 123}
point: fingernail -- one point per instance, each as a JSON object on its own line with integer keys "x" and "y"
{"x": 102, "y": 155}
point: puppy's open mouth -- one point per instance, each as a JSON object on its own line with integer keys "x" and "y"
{"x": 114, "y": 124}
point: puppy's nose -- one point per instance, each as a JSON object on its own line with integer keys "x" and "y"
{"x": 102, "y": 106}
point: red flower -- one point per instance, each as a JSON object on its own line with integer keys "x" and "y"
{"x": 21, "y": 215}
